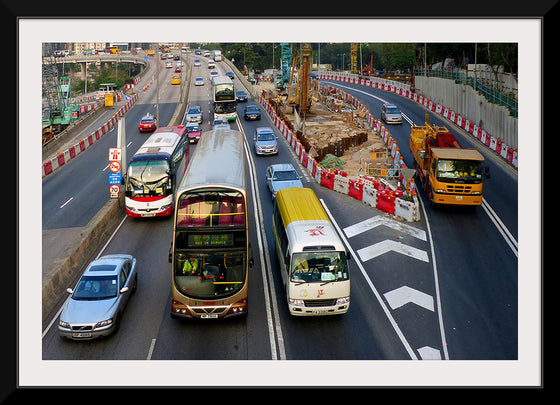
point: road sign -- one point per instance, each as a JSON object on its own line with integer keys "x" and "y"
{"x": 115, "y": 154}
{"x": 114, "y": 178}
{"x": 115, "y": 166}
{"x": 114, "y": 190}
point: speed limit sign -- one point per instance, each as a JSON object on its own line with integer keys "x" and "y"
{"x": 114, "y": 190}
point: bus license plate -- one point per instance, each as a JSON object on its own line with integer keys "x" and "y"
{"x": 458, "y": 198}
{"x": 319, "y": 311}
{"x": 209, "y": 316}
{"x": 149, "y": 215}
{"x": 81, "y": 335}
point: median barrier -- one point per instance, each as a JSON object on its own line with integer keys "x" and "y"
{"x": 355, "y": 189}
{"x": 305, "y": 159}
{"x": 341, "y": 184}
{"x": 377, "y": 194}
{"x": 369, "y": 195}
{"x": 407, "y": 210}
{"x": 69, "y": 264}
{"x": 327, "y": 179}
{"x": 66, "y": 155}
{"x": 506, "y": 152}
{"x": 385, "y": 201}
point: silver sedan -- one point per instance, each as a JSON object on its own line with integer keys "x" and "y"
{"x": 96, "y": 305}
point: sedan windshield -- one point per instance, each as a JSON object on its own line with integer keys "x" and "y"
{"x": 285, "y": 175}
{"x": 96, "y": 288}
{"x": 266, "y": 136}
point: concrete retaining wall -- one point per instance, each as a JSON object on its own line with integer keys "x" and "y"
{"x": 464, "y": 100}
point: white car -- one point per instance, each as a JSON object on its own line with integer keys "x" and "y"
{"x": 281, "y": 175}
{"x": 199, "y": 81}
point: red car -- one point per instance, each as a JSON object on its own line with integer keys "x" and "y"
{"x": 148, "y": 123}
{"x": 193, "y": 132}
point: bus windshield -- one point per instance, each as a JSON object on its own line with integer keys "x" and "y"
{"x": 209, "y": 275}
{"x": 459, "y": 171}
{"x": 319, "y": 267}
{"x": 224, "y": 92}
{"x": 148, "y": 178}
{"x": 218, "y": 207}
{"x": 224, "y": 108}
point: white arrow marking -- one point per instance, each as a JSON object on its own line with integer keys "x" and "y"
{"x": 371, "y": 223}
{"x": 429, "y": 353}
{"x": 403, "y": 295}
{"x": 386, "y": 246}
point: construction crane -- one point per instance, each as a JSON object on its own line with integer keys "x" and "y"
{"x": 304, "y": 85}
{"x": 283, "y": 79}
{"x": 353, "y": 58}
{"x": 58, "y": 110}
{"x": 298, "y": 87}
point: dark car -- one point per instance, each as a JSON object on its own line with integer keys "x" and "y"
{"x": 252, "y": 112}
{"x": 241, "y": 96}
{"x": 193, "y": 130}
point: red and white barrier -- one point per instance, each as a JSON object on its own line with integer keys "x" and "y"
{"x": 62, "y": 157}
{"x": 505, "y": 151}
{"x": 366, "y": 189}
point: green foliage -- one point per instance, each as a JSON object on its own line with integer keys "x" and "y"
{"x": 386, "y": 56}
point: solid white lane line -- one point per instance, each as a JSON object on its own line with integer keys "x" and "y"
{"x": 150, "y": 352}
{"x": 392, "y": 321}
{"x": 70, "y": 199}
{"x": 276, "y": 344}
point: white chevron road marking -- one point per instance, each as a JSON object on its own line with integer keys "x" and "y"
{"x": 376, "y": 221}
{"x": 404, "y": 295}
{"x": 385, "y": 246}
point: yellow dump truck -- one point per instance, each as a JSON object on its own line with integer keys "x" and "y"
{"x": 448, "y": 173}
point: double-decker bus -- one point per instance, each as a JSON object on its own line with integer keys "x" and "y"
{"x": 313, "y": 260}
{"x": 224, "y": 98}
{"x": 209, "y": 253}
{"x": 154, "y": 171}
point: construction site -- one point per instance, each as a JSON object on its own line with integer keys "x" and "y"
{"x": 326, "y": 122}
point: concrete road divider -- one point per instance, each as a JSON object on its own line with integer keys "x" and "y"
{"x": 68, "y": 266}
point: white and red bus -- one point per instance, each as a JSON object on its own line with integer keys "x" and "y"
{"x": 154, "y": 171}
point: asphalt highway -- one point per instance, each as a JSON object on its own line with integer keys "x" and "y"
{"x": 451, "y": 296}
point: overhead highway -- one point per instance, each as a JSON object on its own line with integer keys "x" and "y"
{"x": 444, "y": 287}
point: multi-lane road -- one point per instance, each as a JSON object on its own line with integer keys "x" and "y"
{"x": 445, "y": 287}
